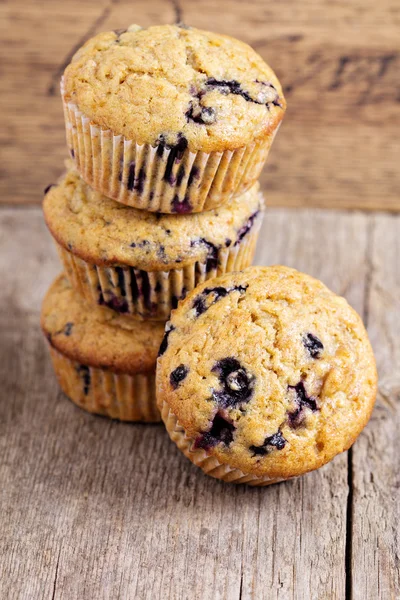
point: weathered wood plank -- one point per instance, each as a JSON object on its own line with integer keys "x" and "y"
{"x": 96, "y": 509}
{"x": 376, "y": 464}
{"x": 338, "y": 63}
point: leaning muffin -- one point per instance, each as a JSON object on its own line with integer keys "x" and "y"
{"x": 170, "y": 119}
{"x": 264, "y": 375}
{"x": 104, "y": 363}
{"x": 141, "y": 263}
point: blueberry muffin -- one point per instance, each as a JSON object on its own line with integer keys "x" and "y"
{"x": 264, "y": 375}
{"x": 170, "y": 119}
{"x": 141, "y": 263}
{"x": 104, "y": 363}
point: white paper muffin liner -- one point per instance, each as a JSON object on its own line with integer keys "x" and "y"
{"x": 209, "y": 464}
{"x": 160, "y": 179}
{"x": 151, "y": 295}
{"x": 127, "y": 397}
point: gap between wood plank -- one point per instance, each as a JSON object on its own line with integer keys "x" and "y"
{"x": 350, "y": 475}
{"x": 51, "y": 90}
{"x": 349, "y": 526}
{"x": 178, "y": 11}
{"x": 55, "y": 80}
{"x": 56, "y": 575}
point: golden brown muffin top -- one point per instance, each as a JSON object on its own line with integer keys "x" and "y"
{"x": 166, "y": 84}
{"x": 105, "y": 232}
{"x": 97, "y": 336}
{"x": 267, "y": 370}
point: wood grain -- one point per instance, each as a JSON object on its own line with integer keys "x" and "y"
{"x": 338, "y": 62}
{"x": 96, "y": 509}
{"x": 375, "y": 565}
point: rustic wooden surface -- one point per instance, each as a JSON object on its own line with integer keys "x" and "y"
{"x": 91, "y": 508}
{"x": 338, "y": 62}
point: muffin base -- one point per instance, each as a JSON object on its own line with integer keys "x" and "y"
{"x": 208, "y": 464}
{"x": 151, "y": 295}
{"x": 160, "y": 179}
{"x": 119, "y": 396}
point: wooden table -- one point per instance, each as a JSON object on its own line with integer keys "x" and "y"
{"x": 93, "y": 509}
{"x": 97, "y": 509}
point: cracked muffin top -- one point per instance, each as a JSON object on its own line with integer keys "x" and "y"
{"x": 105, "y": 232}
{"x": 97, "y": 336}
{"x": 169, "y": 82}
{"x": 268, "y": 371}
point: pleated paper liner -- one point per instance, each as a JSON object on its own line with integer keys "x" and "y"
{"x": 208, "y": 464}
{"x": 123, "y": 396}
{"x": 151, "y": 295}
{"x": 160, "y": 178}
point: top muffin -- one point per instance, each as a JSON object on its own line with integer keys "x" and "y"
{"x": 167, "y": 83}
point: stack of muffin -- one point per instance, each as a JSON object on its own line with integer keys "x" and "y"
{"x": 263, "y": 373}
{"x": 168, "y": 129}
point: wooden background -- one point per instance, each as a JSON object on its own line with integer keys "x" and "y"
{"x": 338, "y": 60}
{"x": 93, "y": 509}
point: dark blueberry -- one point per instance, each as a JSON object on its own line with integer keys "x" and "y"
{"x": 136, "y": 183}
{"x": 134, "y": 287}
{"x": 121, "y": 280}
{"x": 221, "y": 431}
{"x": 234, "y": 87}
{"x": 219, "y": 292}
{"x": 246, "y": 227}
{"x": 273, "y": 441}
{"x": 68, "y": 328}
{"x": 48, "y": 188}
{"x": 181, "y": 208}
{"x": 72, "y": 152}
{"x": 212, "y": 253}
{"x": 199, "y": 303}
{"x": 237, "y": 383}
{"x": 120, "y": 305}
{"x": 296, "y": 417}
{"x": 175, "y": 299}
{"x": 139, "y": 183}
{"x": 131, "y": 177}
{"x": 228, "y": 242}
{"x": 178, "y": 375}
{"x": 313, "y": 345}
{"x": 145, "y": 289}
{"x": 161, "y": 253}
{"x": 175, "y": 154}
{"x": 194, "y": 173}
{"x": 275, "y": 100}
{"x": 202, "y": 115}
{"x": 164, "y": 343}
{"x": 230, "y": 87}
{"x": 180, "y": 175}
{"x": 160, "y": 148}
{"x": 84, "y": 372}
